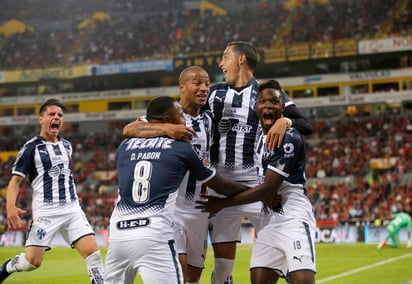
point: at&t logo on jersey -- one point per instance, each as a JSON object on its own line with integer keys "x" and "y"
{"x": 244, "y": 128}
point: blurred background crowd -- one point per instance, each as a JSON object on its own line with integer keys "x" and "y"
{"x": 342, "y": 184}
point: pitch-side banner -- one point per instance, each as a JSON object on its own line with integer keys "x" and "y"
{"x": 30, "y": 75}
{"x": 393, "y": 44}
{"x": 130, "y": 67}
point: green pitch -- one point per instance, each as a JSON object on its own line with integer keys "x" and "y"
{"x": 342, "y": 264}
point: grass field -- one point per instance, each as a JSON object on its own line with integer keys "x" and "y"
{"x": 342, "y": 264}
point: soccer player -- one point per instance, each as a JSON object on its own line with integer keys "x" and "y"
{"x": 150, "y": 171}
{"x": 285, "y": 239}
{"x": 235, "y": 135}
{"x": 399, "y": 220}
{"x": 191, "y": 225}
{"x": 45, "y": 160}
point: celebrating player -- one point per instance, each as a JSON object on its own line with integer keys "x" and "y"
{"x": 45, "y": 161}
{"x": 285, "y": 239}
{"x": 235, "y": 136}
{"x": 150, "y": 171}
{"x": 191, "y": 225}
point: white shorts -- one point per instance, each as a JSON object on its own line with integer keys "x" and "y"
{"x": 190, "y": 235}
{"x": 155, "y": 260}
{"x": 225, "y": 226}
{"x": 72, "y": 226}
{"x": 285, "y": 248}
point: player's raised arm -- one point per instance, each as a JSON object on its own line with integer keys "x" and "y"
{"x": 142, "y": 129}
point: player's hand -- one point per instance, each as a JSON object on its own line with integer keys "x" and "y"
{"x": 211, "y": 204}
{"x": 13, "y": 217}
{"x": 274, "y": 202}
{"x": 181, "y": 132}
{"x": 275, "y": 134}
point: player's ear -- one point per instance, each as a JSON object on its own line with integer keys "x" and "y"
{"x": 165, "y": 118}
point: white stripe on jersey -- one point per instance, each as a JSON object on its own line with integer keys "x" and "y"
{"x": 47, "y": 165}
{"x": 236, "y": 131}
{"x": 190, "y": 188}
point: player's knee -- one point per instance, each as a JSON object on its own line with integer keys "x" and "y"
{"x": 304, "y": 277}
{"x": 225, "y": 250}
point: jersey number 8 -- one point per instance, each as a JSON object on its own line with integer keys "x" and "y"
{"x": 141, "y": 184}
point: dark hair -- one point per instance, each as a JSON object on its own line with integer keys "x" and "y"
{"x": 269, "y": 84}
{"x": 246, "y": 48}
{"x": 158, "y": 107}
{"x": 51, "y": 102}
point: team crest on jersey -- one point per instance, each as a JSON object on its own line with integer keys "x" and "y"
{"x": 41, "y": 233}
{"x": 288, "y": 149}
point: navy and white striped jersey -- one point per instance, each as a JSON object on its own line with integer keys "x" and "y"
{"x": 289, "y": 162}
{"x": 150, "y": 170}
{"x": 190, "y": 187}
{"x": 47, "y": 167}
{"x": 236, "y": 129}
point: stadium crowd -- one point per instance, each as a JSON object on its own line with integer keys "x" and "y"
{"x": 338, "y": 149}
{"x": 135, "y": 29}
{"x": 73, "y": 32}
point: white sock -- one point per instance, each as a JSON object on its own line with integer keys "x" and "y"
{"x": 95, "y": 267}
{"x": 197, "y": 282}
{"x": 19, "y": 263}
{"x": 222, "y": 273}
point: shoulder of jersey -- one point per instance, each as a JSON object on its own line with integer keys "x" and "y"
{"x": 219, "y": 86}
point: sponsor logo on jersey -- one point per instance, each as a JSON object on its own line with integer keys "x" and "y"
{"x": 244, "y": 128}
{"x": 133, "y": 223}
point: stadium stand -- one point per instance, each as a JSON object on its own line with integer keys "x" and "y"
{"x": 342, "y": 183}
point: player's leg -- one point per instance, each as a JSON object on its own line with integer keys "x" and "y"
{"x": 118, "y": 269}
{"x": 263, "y": 276}
{"x": 28, "y": 261}
{"x": 79, "y": 234}
{"x": 302, "y": 276}
{"x": 196, "y": 232}
{"x": 394, "y": 237}
{"x": 160, "y": 263}
{"x": 225, "y": 232}
{"x": 225, "y": 254}
{"x": 36, "y": 244}
{"x": 88, "y": 249}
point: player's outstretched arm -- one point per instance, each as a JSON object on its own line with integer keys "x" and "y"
{"x": 139, "y": 128}
{"x": 13, "y": 212}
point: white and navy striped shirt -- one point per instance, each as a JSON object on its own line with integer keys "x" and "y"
{"x": 47, "y": 167}
{"x": 190, "y": 188}
{"x": 236, "y": 130}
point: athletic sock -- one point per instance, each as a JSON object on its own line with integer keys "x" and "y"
{"x": 95, "y": 267}
{"x": 222, "y": 272}
{"x": 19, "y": 263}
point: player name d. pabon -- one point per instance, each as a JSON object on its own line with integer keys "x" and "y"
{"x": 145, "y": 156}
{"x": 133, "y": 223}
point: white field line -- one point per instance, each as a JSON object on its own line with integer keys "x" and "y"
{"x": 353, "y": 271}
